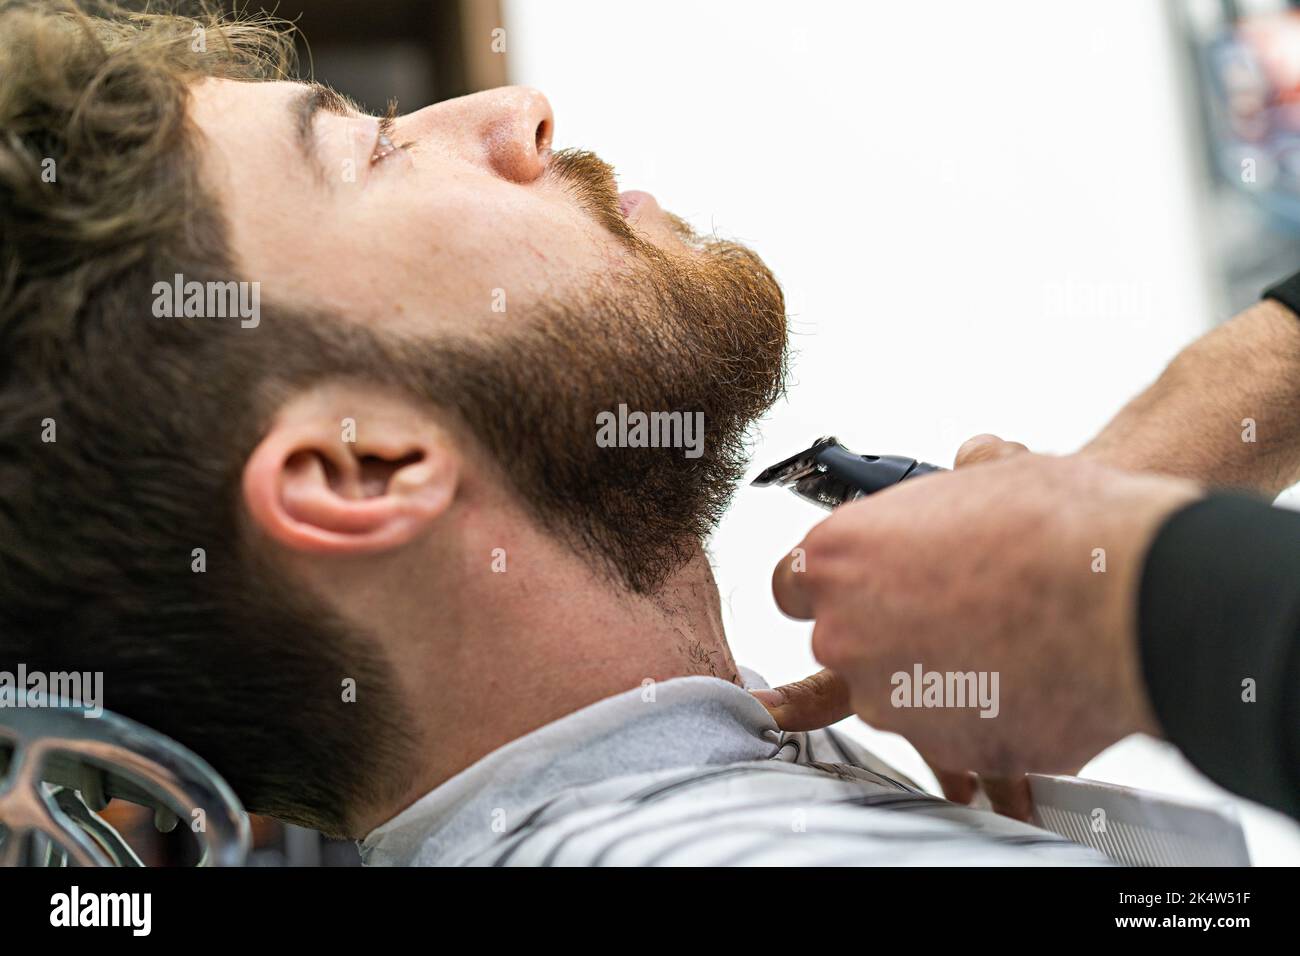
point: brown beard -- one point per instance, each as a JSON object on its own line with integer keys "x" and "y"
{"x": 703, "y": 331}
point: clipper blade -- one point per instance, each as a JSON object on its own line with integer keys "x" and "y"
{"x": 808, "y": 478}
{"x": 795, "y": 467}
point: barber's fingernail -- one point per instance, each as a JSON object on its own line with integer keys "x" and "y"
{"x": 768, "y": 698}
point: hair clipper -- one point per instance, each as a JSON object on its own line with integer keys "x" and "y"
{"x": 828, "y": 474}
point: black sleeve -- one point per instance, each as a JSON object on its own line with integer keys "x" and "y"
{"x": 1219, "y": 629}
{"x": 1287, "y": 292}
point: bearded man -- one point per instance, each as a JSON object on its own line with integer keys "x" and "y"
{"x": 363, "y": 550}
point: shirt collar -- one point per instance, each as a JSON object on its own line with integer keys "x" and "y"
{"x": 683, "y": 722}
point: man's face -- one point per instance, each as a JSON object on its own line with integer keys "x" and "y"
{"x": 324, "y": 212}
{"x": 523, "y": 284}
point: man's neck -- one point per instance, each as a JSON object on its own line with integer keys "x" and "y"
{"x": 518, "y": 631}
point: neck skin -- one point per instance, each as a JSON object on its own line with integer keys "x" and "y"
{"x": 487, "y": 656}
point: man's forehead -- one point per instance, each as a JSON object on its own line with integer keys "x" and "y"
{"x": 244, "y": 130}
{"x": 282, "y": 114}
{"x": 252, "y": 163}
{"x": 213, "y": 94}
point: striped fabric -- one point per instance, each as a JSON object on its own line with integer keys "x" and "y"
{"x": 693, "y": 772}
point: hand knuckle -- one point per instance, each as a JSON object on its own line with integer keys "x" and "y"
{"x": 827, "y": 647}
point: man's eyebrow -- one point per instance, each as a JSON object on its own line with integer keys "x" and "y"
{"x": 316, "y": 98}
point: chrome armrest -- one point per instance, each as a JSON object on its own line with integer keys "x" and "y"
{"x": 57, "y": 750}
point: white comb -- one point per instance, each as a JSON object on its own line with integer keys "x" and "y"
{"x": 1137, "y": 827}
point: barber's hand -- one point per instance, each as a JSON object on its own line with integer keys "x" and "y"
{"x": 995, "y": 568}
{"x": 823, "y": 698}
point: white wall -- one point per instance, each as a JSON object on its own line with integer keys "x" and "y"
{"x": 983, "y": 216}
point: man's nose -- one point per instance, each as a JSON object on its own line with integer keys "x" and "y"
{"x": 514, "y": 125}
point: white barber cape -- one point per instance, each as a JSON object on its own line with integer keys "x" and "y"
{"x": 694, "y": 772}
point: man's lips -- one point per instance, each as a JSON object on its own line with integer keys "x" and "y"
{"x": 634, "y": 201}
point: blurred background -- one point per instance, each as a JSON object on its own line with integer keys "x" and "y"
{"x": 998, "y": 217}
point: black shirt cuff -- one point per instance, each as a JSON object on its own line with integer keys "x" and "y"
{"x": 1287, "y": 292}
{"x": 1219, "y": 606}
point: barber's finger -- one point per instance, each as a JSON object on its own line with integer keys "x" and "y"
{"x": 788, "y": 586}
{"x": 809, "y": 704}
{"x": 986, "y": 448}
{"x": 959, "y": 786}
{"x": 1010, "y": 796}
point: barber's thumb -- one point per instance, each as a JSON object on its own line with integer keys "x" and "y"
{"x": 809, "y": 704}
{"x": 983, "y": 448}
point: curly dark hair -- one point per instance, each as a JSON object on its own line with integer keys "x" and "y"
{"x": 122, "y": 435}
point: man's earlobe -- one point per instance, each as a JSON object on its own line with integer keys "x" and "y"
{"x": 310, "y": 490}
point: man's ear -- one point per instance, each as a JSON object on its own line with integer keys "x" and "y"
{"x": 345, "y": 470}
